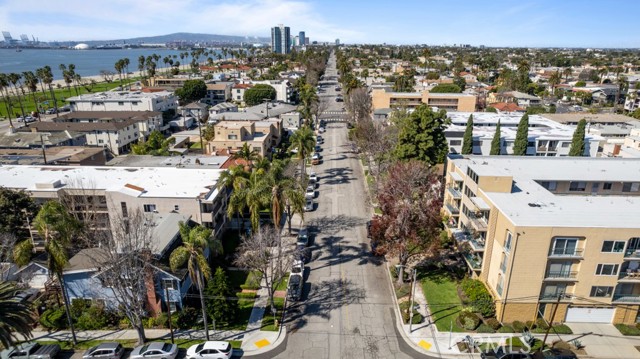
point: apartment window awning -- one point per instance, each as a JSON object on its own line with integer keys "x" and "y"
{"x": 456, "y": 177}
{"x": 480, "y": 203}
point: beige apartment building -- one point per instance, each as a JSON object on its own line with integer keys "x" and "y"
{"x": 537, "y": 229}
{"x": 261, "y": 136}
{"x": 381, "y": 98}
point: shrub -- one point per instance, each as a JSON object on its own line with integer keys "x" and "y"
{"x": 518, "y": 326}
{"x": 562, "y": 329}
{"x": 506, "y": 329}
{"x": 187, "y": 318}
{"x": 483, "y": 328}
{"x": 468, "y": 320}
{"x": 93, "y": 318}
{"x": 162, "y": 320}
{"x": 78, "y": 306}
{"x": 478, "y": 296}
{"x": 628, "y": 329}
{"x": 417, "y": 318}
{"x": 562, "y": 345}
{"x": 403, "y": 291}
{"x": 541, "y": 324}
{"x": 124, "y": 323}
{"x": 246, "y": 295}
{"x": 493, "y": 323}
{"x": 54, "y": 318}
{"x": 531, "y": 324}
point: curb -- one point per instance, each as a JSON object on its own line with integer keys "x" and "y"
{"x": 274, "y": 349}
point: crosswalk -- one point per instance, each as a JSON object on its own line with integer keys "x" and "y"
{"x": 334, "y": 113}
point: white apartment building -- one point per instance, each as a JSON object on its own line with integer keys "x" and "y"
{"x": 124, "y": 101}
{"x": 118, "y": 191}
{"x": 546, "y": 137}
{"x": 284, "y": 89}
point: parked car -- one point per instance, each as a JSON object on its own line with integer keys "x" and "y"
{"x": 303, "y": 253}
{"x": 318, "y": 148}
{"x": 321, "y": 129}
{"x": 29, "y": 119}
{"x": 298, "y": 265}
{"x": 20, "y": 119}
{"x": 210, "y": 350}
{"x": 315, "y": 159}
{"x": 308, "y": 205}
{"x": 50, "y": 111}
{"x": 303, "y": 237}
{"x": 155, "y": 350}
{"x": 554, "y": 353}
{"x": 368, "y": 229}
{"x": 319, "y": 138}
{"x": 104, "y": 351}
{"x": 313, "y": 177}
{"x": 31, "y": 350}
{"x": 502, "y": 353}
{"x": 339, "y": 99}
{"x": 294, "y": 289}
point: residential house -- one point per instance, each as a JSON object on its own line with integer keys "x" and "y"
{"x": 223, "y": 107}
{"x": 537, "y": 231}
{"x": 70, "y": 156}
{"x": 468, "y": 77}
{"x": 237, "y": 92}
{"x": 507, "y": 107}
{"x": 284, "y": 89}
{"x": 232, "y": 135}
{"x": 522, "y": 99}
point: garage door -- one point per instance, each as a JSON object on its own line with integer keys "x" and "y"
{"x": 589, "y": 315}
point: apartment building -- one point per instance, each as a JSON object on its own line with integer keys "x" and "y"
{"x": 218, "y": 93}
{"x": 382, "y": 98}
{"x": 523, "y": 100}
{"x": 538, "y": 229}
{"x": 232, "y": 135}
{"x": 117, "y": 191}
{"x": 546, "y": 137}
{"x": 124, "y": 101}
{"x": 284, "y": 89}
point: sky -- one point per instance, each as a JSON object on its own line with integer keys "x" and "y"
{"x": 540, "y": 23}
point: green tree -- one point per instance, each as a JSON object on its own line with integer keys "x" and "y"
{"x": 522, "y": 137}
{"x": 57, "y": 227}
{"x": 15, "y": 317}
{"x": 155, "y": 145}
{"x": 467, "y": 139}
{"x": 252, "y": 193}
{"x": 460, "y": 82}
{"x": 219, "y": 308}
{"x": 495, "y": 142}
{"x": 192, "y": 91}
{"x": 446, "y": 88}
{"x": 577, "y": 143}
{"x": 15, "y": 206}
{"x": 308, "y": 100}
{"x": 581, "y": 84}
{"x": 195, "y": 242}
{"x": 421, "y": 135}
{"x": 303, "y": 141}
{"x": 258, "y": 94}
{"x": 229, "y": 180}
{"x": 247, "y": 154}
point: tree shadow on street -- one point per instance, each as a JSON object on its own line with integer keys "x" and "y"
{"x": 330, "y": 225}
{"x": 338, "y": 175}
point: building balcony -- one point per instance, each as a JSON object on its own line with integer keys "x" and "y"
{"x": 632, "y": 254}
{"x": 562, "y": 253}
{"x": 473, "y": 261}
{"x": 629, "y": 277}
{"x": 561, "y": 276}
{"x": 626, "y": 298}
{"x": 452, "y": 209}
{"x": 566, "y": 297}
{"x": 454, "y": 193}
{"x": 477, "y": 244}
{"x": 478, "y": 223}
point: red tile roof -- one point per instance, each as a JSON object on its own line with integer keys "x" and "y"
{"x": 506, "y": 107}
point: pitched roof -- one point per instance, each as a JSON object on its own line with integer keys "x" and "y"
{"x": 506, "y": 107}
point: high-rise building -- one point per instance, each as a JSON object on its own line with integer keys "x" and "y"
{"x": 337, "y": 41}
{"x": 306, "y": 41}
{"x": 301, "y": 37}
{"x": 296, "y": 41}
{"x": 281, "y": 39}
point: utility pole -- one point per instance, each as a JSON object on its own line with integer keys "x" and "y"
{"x": 553, "y": 315}
{"x": 166, "y": 295}
{"x": 44, "y": 154}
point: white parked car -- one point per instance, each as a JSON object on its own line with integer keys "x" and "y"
{"x": 313, "y": 177}
{"x": 311, "y": 192}
{"x": 308, "y": 206}
{"x": 210, "y": 350}
{"x": 298, "y": 267}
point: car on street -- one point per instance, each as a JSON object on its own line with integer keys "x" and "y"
{"x": 318, "y": 148}
{"x": 303, "y": 237}
{"x": 50, "y": 111}
{"x": 104, "y": 351}
{"x": 294, "y": 289}
{"x": 313, "y": 177}
{"x": 155, "y": 350}
{"x": 368, "y": 229}
{"x": 339, "y": 99}
{"x": 303, "y": 253}
{"x": 502, "y": 353}
{"x": 31, "y": 350}
{"x": 555, "y": 353}
{"x": 319, "y": 139}
{"x": 298, "y": 265}
{"x": 311, "y": 192}
{"x": 210, "y": 350}
{"x": 315, "y": 159}
{"x": 321, "y": 129}
{"x": 308, "y": 205}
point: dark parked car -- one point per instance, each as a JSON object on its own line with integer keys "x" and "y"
{"x": 303, "y": 253}
{"x": 294, "y": 290}
{"x": 31, "y": 351}
{"x": 502, "y": 353}
{"x": 554, "y": 353}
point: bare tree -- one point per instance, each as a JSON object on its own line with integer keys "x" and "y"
{"x": 126, "y": 256}
{"x": 89, "y": 206}
{"x": 7, "y": 243}
{"x": 358, "y": 104}
{"x": 376, "y": 140}
{"x": 259, "y": 252}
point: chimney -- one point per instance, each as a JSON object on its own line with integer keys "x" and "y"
{"x": 616, "y": 150}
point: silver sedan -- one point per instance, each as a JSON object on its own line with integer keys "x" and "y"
{"x": 155, "y": 350}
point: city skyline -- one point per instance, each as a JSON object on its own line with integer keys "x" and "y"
{"x": 543, "y": 23}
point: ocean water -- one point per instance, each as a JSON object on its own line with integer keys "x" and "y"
{"x": 87, "y": 62}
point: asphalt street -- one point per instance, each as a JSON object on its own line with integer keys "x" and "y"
{"x": 346, "y": 307}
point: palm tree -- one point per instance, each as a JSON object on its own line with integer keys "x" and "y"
{"x": 252, "y": 193}
{"x": 15, "y": 317}
{"x": 126, "y": 62}
{"x": 554, "y": 79}
{"x": 247, "y": 154}
{"x": 228, "y": 181}
{"x": 57, "y": 227}
{"x": 14, "y": 79}
{"x": 304, "y": 142}
{"x": 4, "y": 87}
{"x": 309, "y": 99}
{"x": 196, "y": 242}
{"x": 119, "y": 66}
{"x": 66, "y": 76}
{"x": 48, "y": 80}
{"x": 567, "y": 72}
{"x": 31, "y": 81}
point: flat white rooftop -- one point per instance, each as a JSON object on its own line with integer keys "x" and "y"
{"x": 152, "y": 182}
{"x": 120, "y": 96}
{"x": 530, "y": 204}
{"x": 484, "y": 126}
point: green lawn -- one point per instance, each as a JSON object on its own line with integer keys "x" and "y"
{"x": 267, "y": 320}
{"x": 282, "y": 285}
{"x": 440, "y": 289}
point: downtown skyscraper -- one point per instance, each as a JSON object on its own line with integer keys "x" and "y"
{"x": 281, "y": 39}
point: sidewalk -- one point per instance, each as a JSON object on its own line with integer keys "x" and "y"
{"x": 130, "y": 334}
{"x": 258, "y": 341}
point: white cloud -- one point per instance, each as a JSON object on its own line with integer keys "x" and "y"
{"x": 89, "y": 20}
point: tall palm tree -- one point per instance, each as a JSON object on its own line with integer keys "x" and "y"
{"x": 66, "y": 76}
{"x": 196, "y": 241}
{"x": 254, "y": 193}
{"x": 304, "y": 142}
{"x": 48, "y": 80}
{"x": 57, "y": 227}
{"x": 31, "y": 81}
{"x": 14, "y": 79}
{"x": 4, "y": 88}
{"x": 247, "y": 154}
{"x": 554, "y": 79}
{"x": 119, "y": 66}
{"x": 227, "y": 182}
{"x": 126, "y": 63}
{"x": 15, "y": 317}
{"x": 309, "y": 99}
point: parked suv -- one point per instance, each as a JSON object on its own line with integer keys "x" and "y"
{"x": 31, "y": 351}
{"x": 294, "y": 291}
{"x": 303, "y": 237}
{"x": 104, "y": 351}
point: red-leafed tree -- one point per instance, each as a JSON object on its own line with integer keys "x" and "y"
{"x": 411, "y": 221}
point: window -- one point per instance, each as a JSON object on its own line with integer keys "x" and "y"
{"x": 123, "y": 205}
{"x": 594, "y": 187}
{"x": 149, "y": 208}
{"x": 565, "y": 246}
{"x": 613, "y": 246}
{"x": 100, "y": 141}
{"x": 578, "y": 186}
{"x": 468, "y": 192}
{"x": 120, "y": 103}
{"x": 472, "y": 175}
{"x": 631, "y": 187}
{"x": 500, "y": 284}
{"x": 176, "y": 207}
{"x": 601, "y": 291}
{"x": 507, "y": 242}
{"x": 503, "y": 263}
{"x": 549, "y": 185}
{"x": 455, "y": 142}
{"x": 232, "y": 137}
{"x": 169, "y": 284}
{"x": 607, "y": 269}
{"x": 607, "y": 186}
{"x": 554, "y": 290}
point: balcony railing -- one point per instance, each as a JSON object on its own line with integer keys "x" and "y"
{"x": 554, "y": 296}
{"x": 561, "y": 275}
{"x": 454, "y": 192}
{"x": 452, "y": 209}
{"x": 477, "y": 243}
{"x": 629, "y": 275}
{"x": 474, "y": 262}
{"x": 632, "y": 253}
{"x": 478, "y": 223}
{"x": 566, "y": 253}
{"x": 626, "y": 298}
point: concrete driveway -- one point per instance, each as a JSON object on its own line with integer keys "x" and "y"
{"x": 604, "y": 341}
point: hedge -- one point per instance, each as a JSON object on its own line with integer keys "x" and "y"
{"x": 628, "y": 329}
{"x": 483, "y": 328}
{"x": 479, "y": 298}
{"x": 468, "y": 320}
{"x": 246, "y": 295}
{"x": 506, "y": 329}
{"x": 518, "y": 326}
{"x": 493, "y": 323}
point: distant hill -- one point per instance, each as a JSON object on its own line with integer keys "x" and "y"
{"x": 183, "y": 36}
